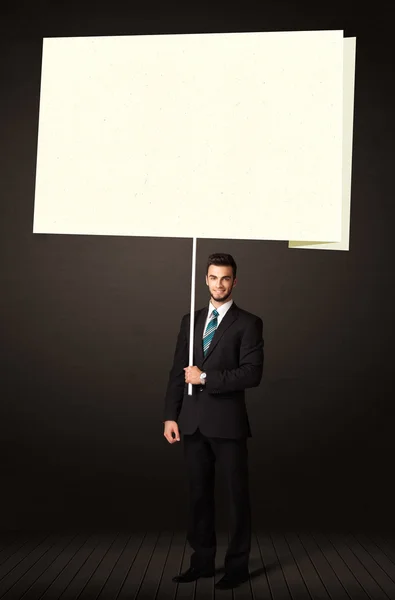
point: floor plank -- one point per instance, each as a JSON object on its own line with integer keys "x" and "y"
{"x": 27, "y": 575}
{"x": 348, "y": 579}
{"x": 292, "y": 575}
{"x": 9, "y": 541}
{"x": 140, "y": 566}
{"x": 84, "y": 574}
{"x": 324, "y": 569}
{"x": 153, "y": 575}
{"x": 372, "y": 564}
{"x": 275, "y": 576}
{"x": 10, "y": 547}
{"x": 172, "y": 567}
{"x": 73, "y": 566}
{"x": 22, "y": 560}
{"x": 122, "y": 566}
{"x": 365, "y": 578}
{"x": 46, "y": 579}
{"x": 378, "y": 554}
{"x": 386, "y": 546}
{"x": 307, "y": 570}
{"x": 18, "y": 553}
{"x": 136, "y": 574}
{"x": 100, "y": 576}
{"x": 260, "y": 589}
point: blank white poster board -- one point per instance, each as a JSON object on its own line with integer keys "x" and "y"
{"x": 234, "y": 135}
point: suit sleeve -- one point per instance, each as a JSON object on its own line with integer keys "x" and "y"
{"x": 250, "y": 369}
{"x": 176, "y": 383}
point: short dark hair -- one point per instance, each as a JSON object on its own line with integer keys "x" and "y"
{"x": 222, "y": 260}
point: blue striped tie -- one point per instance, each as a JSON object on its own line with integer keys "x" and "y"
{"x": 210, "y": 330}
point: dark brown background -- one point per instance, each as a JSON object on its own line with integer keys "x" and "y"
{"x": 88, "y": 324}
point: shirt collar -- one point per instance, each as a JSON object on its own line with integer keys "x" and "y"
{"x": 222, "y": 309}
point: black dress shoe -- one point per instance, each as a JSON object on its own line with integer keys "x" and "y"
{"x": 193, "y": 573}
{"x": 230, "y": 581}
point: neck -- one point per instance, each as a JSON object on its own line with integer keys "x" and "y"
{"x": 218, "y": 304}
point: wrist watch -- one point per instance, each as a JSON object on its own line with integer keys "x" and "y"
{"x": 203, "y": 377}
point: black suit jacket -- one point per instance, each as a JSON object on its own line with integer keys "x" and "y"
{"x": 233, "y": 363}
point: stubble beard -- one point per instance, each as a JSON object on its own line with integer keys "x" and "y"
{"x": 222, "y": 299}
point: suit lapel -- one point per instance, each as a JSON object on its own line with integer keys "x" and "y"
{"x": 226, "y": 322}
{"x": 198, "y": 336}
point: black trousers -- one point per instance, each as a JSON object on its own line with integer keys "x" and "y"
{"x": 201, "y": 454}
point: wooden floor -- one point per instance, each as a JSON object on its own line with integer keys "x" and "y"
{"x": 283, "y": 566}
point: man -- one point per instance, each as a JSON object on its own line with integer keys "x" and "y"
{"x": 228, "y": 357}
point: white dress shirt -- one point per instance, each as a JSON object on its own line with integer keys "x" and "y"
{"x": 222, "y": 310}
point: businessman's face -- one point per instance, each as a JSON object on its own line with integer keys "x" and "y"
{"x": 220, "y": 282}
